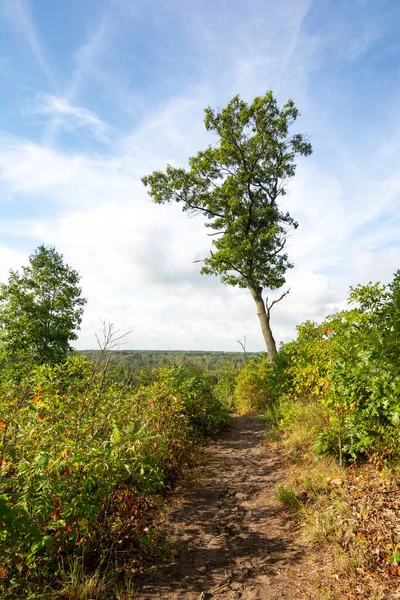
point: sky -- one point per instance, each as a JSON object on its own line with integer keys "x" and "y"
{"x": 96, "y": 94}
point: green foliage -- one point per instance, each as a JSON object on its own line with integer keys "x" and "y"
{"x": 236, "y": 184}
{"x": 225, "y": 386}
{"x": 133, "y": 362}
{"x": 252, "y": 388}
{"x": 349, "y": 366}
{"x": 40, "y": 310}
{"x": 288, "y": 496}
{"x": 82, "y": 454}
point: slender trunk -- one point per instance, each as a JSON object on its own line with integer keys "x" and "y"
{"x": 264, "y": 317}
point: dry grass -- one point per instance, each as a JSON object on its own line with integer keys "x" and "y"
{"x": 351, "y": 516}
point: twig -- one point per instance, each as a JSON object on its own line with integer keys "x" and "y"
{"x": 276, "y": 301}
{"x": 243, "y": 345}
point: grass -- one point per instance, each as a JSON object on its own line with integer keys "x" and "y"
{"x": 77, "y": 584}
{"x": 288, "y": 497}
{"x": 333, "y": 506}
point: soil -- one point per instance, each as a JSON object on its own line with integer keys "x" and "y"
{"x": 229, "y": 536}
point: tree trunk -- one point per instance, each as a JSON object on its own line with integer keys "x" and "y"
{"x": 264, "y": 317}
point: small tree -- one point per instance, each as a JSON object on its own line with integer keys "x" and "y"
{"x": 236, "y": 185}
{"x": 40, "y": 309}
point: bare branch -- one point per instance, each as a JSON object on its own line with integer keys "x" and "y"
{"x": 243, "y": 345}
{"x": 111, "y": 337}
{"x": 276, "y": 301}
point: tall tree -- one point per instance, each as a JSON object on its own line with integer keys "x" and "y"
{"x": 40, "y": 309}
{"x": 236, "y": 184}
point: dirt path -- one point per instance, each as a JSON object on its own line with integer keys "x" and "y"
{"x": 230, "y": 539}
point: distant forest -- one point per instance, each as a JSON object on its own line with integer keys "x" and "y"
{"x": 135, "y": 361}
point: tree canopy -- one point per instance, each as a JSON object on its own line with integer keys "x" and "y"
{"x": 40, "y": 308}
{"x": 236, "y": 184}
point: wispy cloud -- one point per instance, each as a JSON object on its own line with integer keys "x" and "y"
{"x": 19, "y": 14}
{"x": 85, "y": 58}
{"x": 88, "y": 53}
{"x": 62, "y": 113}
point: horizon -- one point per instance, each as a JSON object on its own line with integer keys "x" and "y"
{"x": 176, "y": 350}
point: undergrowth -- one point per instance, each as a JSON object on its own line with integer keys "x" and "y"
{"x": 350, "y": 514}
{"x": 84, "y": 459}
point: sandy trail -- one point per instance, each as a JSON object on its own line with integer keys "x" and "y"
{"x": 228, "y": 533}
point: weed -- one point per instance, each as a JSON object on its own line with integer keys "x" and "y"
{"x": 287, "y": 496}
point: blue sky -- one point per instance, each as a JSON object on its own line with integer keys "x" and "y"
{"x": 95, "y": 94}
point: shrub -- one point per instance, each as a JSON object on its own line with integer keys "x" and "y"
{"x": 225, "y": 385}
{"x": 81, "y": 456}
{"x": 349, "y": 366}
{"x": 252, "y": 387}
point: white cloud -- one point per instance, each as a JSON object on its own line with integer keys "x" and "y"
{"x": 136, "y": 258}
{"x": 63, "y": 113}
{"x": 10, "y": 259}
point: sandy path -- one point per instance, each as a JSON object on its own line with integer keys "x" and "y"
{"x": 229, "y": 533}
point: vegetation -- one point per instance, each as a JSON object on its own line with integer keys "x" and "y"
{"x": 236, "y": 184}
{"x": 86, "y": 449}
{"x": 251, "y": 390}
{"x": 40, "y": 310}
{"x": 90, "y": 442}
{"x": 348, "y": 368}
{"x": 82, "y": 457}
{"x": 335, "y": 397}
{"x": 133, "y": 363}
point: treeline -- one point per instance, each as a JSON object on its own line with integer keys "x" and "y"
{"x": 135, "y": 361}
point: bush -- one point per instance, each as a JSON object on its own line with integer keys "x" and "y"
{"x": 252, "y": 385}
{"x": 225, "y": 385}
{"x": 349, "y": 367}
{"x": 81, "y": 456}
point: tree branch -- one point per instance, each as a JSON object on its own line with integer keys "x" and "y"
{"x": 275, "y": 301}
{"x": 281, "y": 247}
{"x": 200, "y": 208}
{"x": 243, "y": 345}
{"x": 204, "y": 210}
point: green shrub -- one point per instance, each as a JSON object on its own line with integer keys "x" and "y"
{"x": 349, "y": 367}
{"x": 252, "y": 385}
{"x": 225, "y": 385}
{"x": 81, "y": 456}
